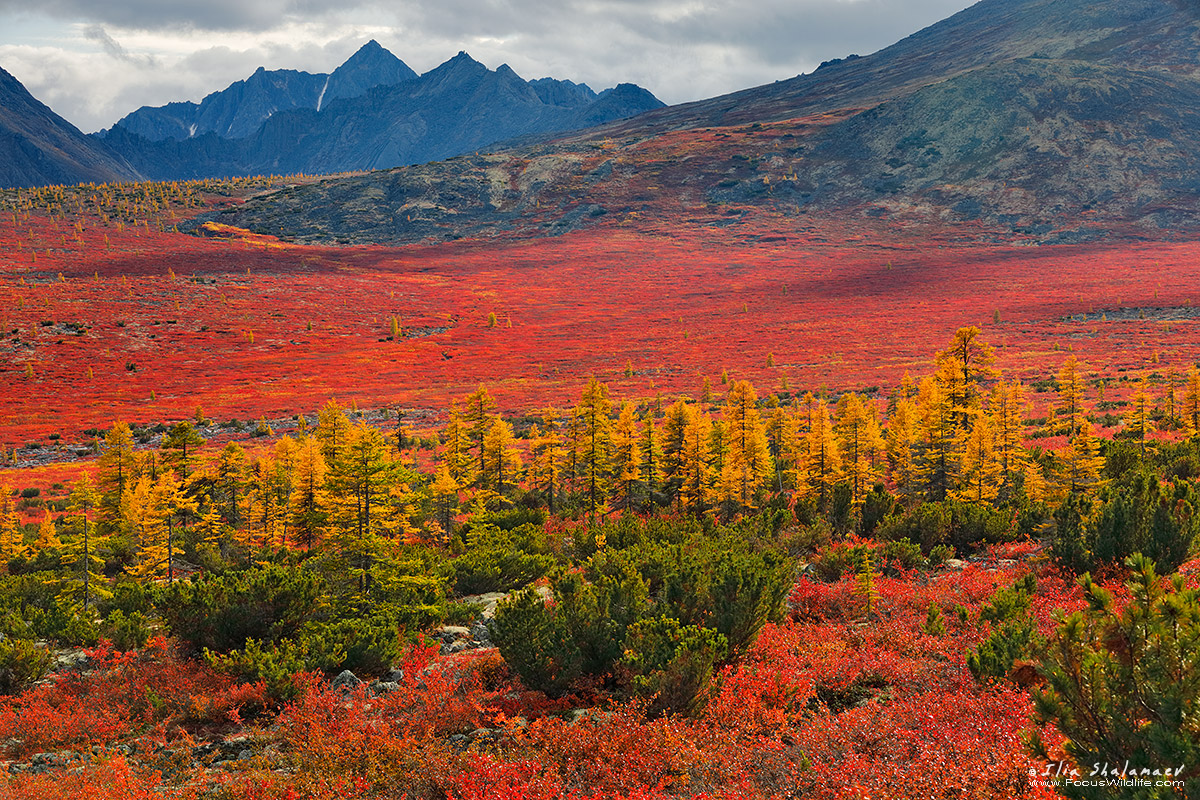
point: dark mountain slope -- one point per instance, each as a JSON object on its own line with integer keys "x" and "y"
{"x": 1056, "y": 119}
{"x": 40, "y": 148}
{"x": 1159, "y": 34}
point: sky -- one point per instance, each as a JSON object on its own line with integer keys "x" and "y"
{"x": 93, "y": 61}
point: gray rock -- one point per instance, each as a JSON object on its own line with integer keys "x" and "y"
{"x": 955, "y": 563}
{"x": 480, "y": 632}
{"x": 70, "y": 661}
{"x": 381, "y": 688}
{"x": 346, "y": 681}
{"x": 448, "y": 633}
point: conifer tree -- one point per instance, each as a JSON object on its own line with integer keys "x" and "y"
{"x": 674, "y": 435}
{"x": 144, "y": 518}
{"x": 747, "y": 466}
{"x": 860, "y": 442}
{"x": 1070, "y": 410}
{"x": 179, "y": 446}
{"x": 456, "y": 449}
{"x": 47, "y": 535}
{"x": 1139, "y": 422}
{"x": 501, "y": 458}
{"x": 1007, "y": 412}
{"x": 937, "y": 450}
{"x": 1080, "y": 464}
{"x": 626, "y": 458}
{"x": 333, "y": 429}
{"x": 12, "y": 541}
{"x": 444, "y": 492}
{"x": 360, "y": 481}
{"x": 265, "y": 514}
{"x": 650, "y": 451}
{"x": 1123, "y": 680}
{"x": 822, "y": 468}
{"x": 229, "y": 486}
{"x": 83, "y": 499}
{"x": 963, "y": 365}
{"x": 546, "y": 458}
{"x": 177, "y": 506}
{"x": 695, "y": 465}
{"x": 308, "y": 503}
{"x": 1190, "y": 408}
{"x": 981, "y": 469}
{"x": 117, "y": 471}
{"x": 901, "y": 439}
{"x": 478, "y": 418}
{"x": 595, "y": 445}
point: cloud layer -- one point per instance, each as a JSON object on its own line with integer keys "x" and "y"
{"x": 95, "y": 62}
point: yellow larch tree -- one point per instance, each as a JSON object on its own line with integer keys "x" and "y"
{"x": 822, "y": 466}
{"x": 626, "y": 459}
{"x": 1139, "y": 422}
{"x": 1079, "y": 466}
{"x": 444, "y": 493}
{"x": 901, "y": 440}
{"x": 936, "y": 451}
{"x": 117, "y": 471}
{"x": 82, "y": 501}
{"x": 674, "y": 436}
{"x": 456, "y": 449}
{"x": 962, "y": 366}
{"x": 546, "y": 458}
{"x": 1069, "y": 411}
{"x": 650, "y": 450}
{"x": 860, "y": 442}
{"x": 980, "y": 467}
{"x": 595, "y": 442}
{"x": 1190, "y": 408}
{"x": 307, "y": 506}
{"x": 501, "y": 458}
{"x": 747, "y": 466}
{"x": 47, "y": 535}
{"x": 695, "y": 465}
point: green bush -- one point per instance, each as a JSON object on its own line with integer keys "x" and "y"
{"x": 1013, "y": 635}
{"x": 534, "y": 643}
{"x": 716, "y": 583}
{"x": 1123, "y": 684}
{"x": 275, "y": 665}
{"x": 64, "y": 625}
{"x": 940, "y": 554}
{"x": 221, "y": 614}
{"x": 127, "y": 631}
{"x": 903, "y": 552}
{"x": 21, "y": 663}
{"x": 1139, "y": 514}
{"x": 671, "y": 664}
{"x": 499, "y": 560}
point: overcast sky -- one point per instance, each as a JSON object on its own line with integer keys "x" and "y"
{"x": 93, "y": 61}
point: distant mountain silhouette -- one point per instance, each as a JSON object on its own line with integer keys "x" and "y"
{"x": 371, "y": 113}
{"x": 239, "y": 110}
{"x": 40, "y": 148}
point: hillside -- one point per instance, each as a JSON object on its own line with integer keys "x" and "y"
{"x": 40, "y": 148}
{"x": 1060, "y": 118}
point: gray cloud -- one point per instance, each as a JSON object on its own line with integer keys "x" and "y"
{"x": 679, "y": 49}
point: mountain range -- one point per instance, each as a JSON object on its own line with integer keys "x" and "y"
{"x": 1053, "y": 120}
{"x": 372, "y": 112}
